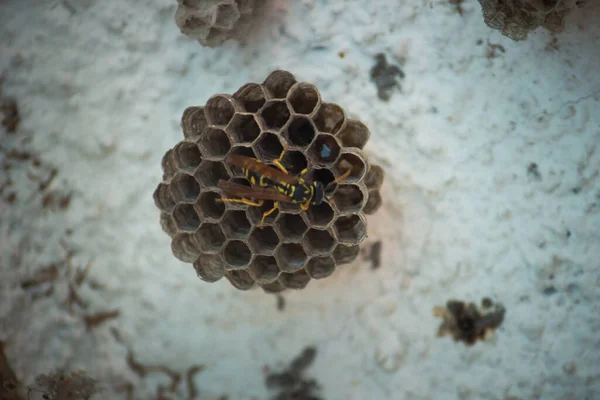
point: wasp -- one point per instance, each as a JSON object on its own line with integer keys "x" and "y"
{"x": 272, "y": 183}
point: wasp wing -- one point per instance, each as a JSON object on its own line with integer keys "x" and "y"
{"x": 255, "y": 165}
{"x": 250, "y": 192}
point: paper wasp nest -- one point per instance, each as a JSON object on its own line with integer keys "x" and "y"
{"x": 224, "y": 239}
{"x": 516, "y": 18}
{"x": 212, "y": 22}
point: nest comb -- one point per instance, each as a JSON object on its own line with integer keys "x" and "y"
{"x": 212, "y": 22}
{"x": 516, "y": 18}
{"x": 294, "y": 246}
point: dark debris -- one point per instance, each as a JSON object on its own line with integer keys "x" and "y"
{"x": 280, "y": 302}
{"x": 375, "y": 254}
{"x": 466, "y": 322}
{"x": 386, "y": 77}
{"x": 9, "y": 112}
{"x": 533, "y": 172}
{"x": 291, "y": 383}
{"x": 176, "y": 379}
{"x": 60, "y": 385}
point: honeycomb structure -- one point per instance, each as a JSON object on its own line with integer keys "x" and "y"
{"x": 294, "y": 246}
{"x": 212, "y": 22}
{"x": 516, "y": 18}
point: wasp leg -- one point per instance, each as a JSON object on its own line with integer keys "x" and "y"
{"x": 343, "y": 176}
{"x": 278, "y": 163}
{"x": 304, "y": 206}
{"x": 266, "y": 214}
{"x": 242, "y": 201}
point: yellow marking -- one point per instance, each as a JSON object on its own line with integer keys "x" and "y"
{"x": 252, "y": 180}
{"x": 262, "y": 180}
{"x": 243, "y": 201}
{"x": 278, "y": 164}
{"x": 265, "y": 215}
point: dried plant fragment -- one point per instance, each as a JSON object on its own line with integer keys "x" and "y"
{"x": 64, "y": 386}
{"x": 9, "y": 384}
{"x": 9, "y": 113}
{"x": 94, "y": 320}
{"x": 466, "y": 322}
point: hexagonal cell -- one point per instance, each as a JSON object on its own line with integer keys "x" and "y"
{"x": 264, "y": 269}
{"x": 219, "y": 109}
{"x": 289, "y": 208}
{"x": 349, "y": 199}
{"x": 168, "y": 165}
{"x": 208, "y": 206}
{"x": 243, "y": 128}
{"x": 323, "y": 175}
{"x": 278, "y": 83}
{"x": 245, "y": 6}
{"x": 210, "y": 172}
{"x": 320, "y": 216}
{"x": 374, "y": 202}
{"x": 187, "y": 156}
{"x": 300, "y": 131}
{"x": 209, "y": 267}
{"x": 235, "y": 224}
{"x": 191, "y": 22}
{"x": 167, "y": 224}
{"x": 240, "y": 279}
{"x": 274, "y": 287}
{"x": 291, "y": 227}
{"x": 350, "y": 229}
{"x": 244, "y": 150}
{"x": 250, "y": 97}
{"x": 184, "y": 188}
{"x": 225, "y": 16}
{"x": 209, "y": 238}
{"x": 274, "y": 115}
{"x": 330, "y": 118}
{"x": 374, "y": 177}
{"x": 317, "y": 242}
{"x": 163, "y": 198}
{"x": 290, "y": 257}
{"x": 186, "y": 218}
{"x": 214, "y": 143}
{"x": 294, "y": 162}
{"x": 237, "y": 255}
{"x": 353, "y": 161}
{"x": 263, "y": 241}
{"x": 324, "y": 150}
{"x": 354, "y": 134}
{"x": 268, "y": 147}
{"x": 344, "y": 254}
{"x": 255, "y": 214}
{"x": 303, "y": 98}
{"x": 296, "y": 280}
{"x": 193, "y": 121}
{"x": 184, "y": 248}
{"x": 320, "y": 267}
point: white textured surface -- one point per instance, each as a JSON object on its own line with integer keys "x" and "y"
{"x": 101, "y": 86}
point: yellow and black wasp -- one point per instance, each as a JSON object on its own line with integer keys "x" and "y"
{"x": 270, "y": 183}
